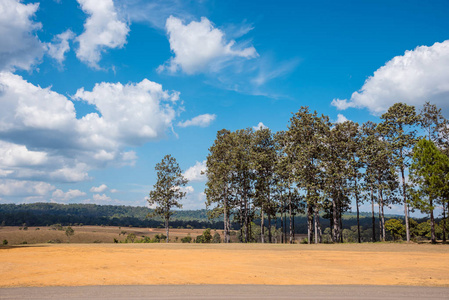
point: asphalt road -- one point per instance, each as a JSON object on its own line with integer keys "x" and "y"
{"x": 225, "y": 292}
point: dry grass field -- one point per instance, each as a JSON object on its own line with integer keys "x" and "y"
{"x": 88, "y": 234}
{"x": 154, "y": 264}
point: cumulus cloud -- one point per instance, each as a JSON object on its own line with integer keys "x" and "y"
{"x": 101, "y": 198}
{"x": 418, "y": 76}
{"x": 23, "y": 188}
{"x": 42, "y": 139}
{"x": 19, "y": 46}
{"x": 201, "y": 120}
{"x": 60, "y": 196}
{"x": 99, "y": 189}
{"x": 341, "y": 119}
{"x": 60, "y": 46}
{"x": 194, "y": 172}
{"x": 260, "y": 126}
{"x": 199, "y": 46}
{"x": 102, "y": 30}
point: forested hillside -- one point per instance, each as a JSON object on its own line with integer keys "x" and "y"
{"x": 43, "y": 214}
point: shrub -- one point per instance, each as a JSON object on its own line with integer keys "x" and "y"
{"x": 115, "y": 241}
{"x": 304, "y": 241}
{"x": 24, "y": 242}
{"x": 5, "y": 242}
{"x": 216, "y": 238}
{"x": 186, "y": 239}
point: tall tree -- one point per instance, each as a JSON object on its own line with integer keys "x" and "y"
{"x": 429, "y": 171}
{"x": 399, "y": 128}
{"x": 305, "y": 146}
{"x": 263, "y": 158}
{"x": 219, "y": 168}
{"x": 167, "y": 192}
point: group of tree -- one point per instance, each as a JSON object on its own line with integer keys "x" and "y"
{"x": 322, "y": 169}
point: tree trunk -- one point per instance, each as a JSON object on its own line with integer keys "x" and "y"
{"x": 407, "y": 226}
{"x": 358, "y": 213}
{"x": 166, "y": 230}
{"x": 290, "y": 218}
{"x": 340, "y": 230}
{"x": 444, "y": 223}
{"x": 309, "y": 222}
{"x": 282, "y": 225}
{"x": 269, "y": 228}
{"x": 381, "y": 202}
{"x": 246, "y": 219}
{"x": 432, "y": 223}
{"x": 334, "y": 221}
{"x": 380, "y": 218}
{"x": 262, "y": 228}
{"x": 372, "y": 213}
{"x": 316, "y": 226}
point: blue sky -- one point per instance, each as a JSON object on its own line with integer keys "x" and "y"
{"x": 95, "y": 92}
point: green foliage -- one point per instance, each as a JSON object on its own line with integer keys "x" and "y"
{"x": 69, "y": 232}
{"x": 396, "y": 228}
{"x": 167, "y": 192}
{"x": 130, "y": 238}
{"x": 216, "y": 238}
{"x": 186, "y": 239}
{"x": 5, "y": 242}
{"x": 206, "y": 237}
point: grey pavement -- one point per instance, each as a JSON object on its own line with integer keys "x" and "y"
{"x": 226, "y": 292}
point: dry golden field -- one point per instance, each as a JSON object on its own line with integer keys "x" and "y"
{"x": 275, "y": 264}
{"x": 88, "y": 234}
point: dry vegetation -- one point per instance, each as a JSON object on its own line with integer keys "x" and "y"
{"x": 88, "y": 234}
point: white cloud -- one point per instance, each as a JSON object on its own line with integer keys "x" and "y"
{"x": 194, "y": 173}
{"x": 187, "y": 189}
{"x": 99, "y": 189}
{"x": 102, "y": 30}
{"x": 198, "y": 46}
{"x": 41, "y": 138}
{"x": 101, "y": 198}
{"x": 341, "y": 119}
{"x": 23, "y": 188}
{"x": 418, "y": 76}
{"x": 19, "y": 46}
{"x": 260, "y": 126}
{"x": 60, "y": 45}
{"x": 130, "y": 114}
{"x": 201, "y": 120}
{"x": 60, "y": 196}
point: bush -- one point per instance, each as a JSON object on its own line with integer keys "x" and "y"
{"x": 115, "y": 241}
{"x": 5, "y": 242}
{"x": 186, "y": 239}
{"x": 24, "y": 242}
{"x": 216, "y": 238}
{"x": 304, "y": 241}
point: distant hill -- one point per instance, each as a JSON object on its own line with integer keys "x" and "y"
{"x": 43, "y": 214}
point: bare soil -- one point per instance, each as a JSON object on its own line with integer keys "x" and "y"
{"x": 176, "y": 264}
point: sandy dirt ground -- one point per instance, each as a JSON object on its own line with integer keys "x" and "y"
{"x": 191, "y": 264}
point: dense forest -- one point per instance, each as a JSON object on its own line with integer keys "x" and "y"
{"x": 322, "y": 169}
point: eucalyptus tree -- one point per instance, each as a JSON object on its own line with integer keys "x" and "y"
{"x": 338, "y": 172}
{"x": 306, "y": 134}
{"x": 243, "y": 176}
{"x": 436, "y": 127}
{"x": 429, "y": 171}
{"x": 219, "y": 173}
{"x": 167, "y": 192}
{"x": 371, "y": 145}
{"x": 284, "y": 182}
{"x": 399, "y": 127}
{"x": 263, "y": 154}
{"x": 355, "y": 164}
{"x": 433, "y": 123}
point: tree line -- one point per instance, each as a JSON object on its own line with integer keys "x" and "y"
{"x": 321, "y": 169}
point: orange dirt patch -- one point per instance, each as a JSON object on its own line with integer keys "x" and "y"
{"x": 144, "y": 264}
